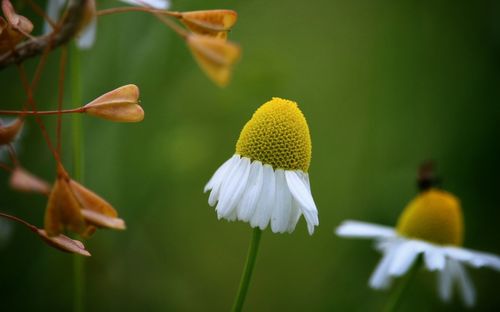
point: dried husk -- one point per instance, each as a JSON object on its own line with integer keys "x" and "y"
{"x": 23, "y": 181}
{"x": 95, "y": 209}
{"x": 215, "y": 23}
{"x": 64, "y": 243}
{"x": 121, "y": 105}
{"x": 8, "y": 133}
{"x": 215, "y": 56}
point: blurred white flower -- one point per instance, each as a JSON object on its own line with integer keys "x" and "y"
{"x": 430, "y": 226}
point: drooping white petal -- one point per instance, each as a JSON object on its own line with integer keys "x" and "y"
{"x": 219, "y": 177}
{"x": 445, "y": 279}
{"x": 53, "y": 11}
{"x": 434, "y": 258}
{"x": 474, "y": 258}
{"x": 294, "y": 215}
{"x": 464, "y": 283}
{"x": 232, "y": 188}
{"x": 265, "y": 204}
{"x": 219, "y": 173}
{"x": 280, "y": 216}
{"x": 246, "y": 206}
{"x": 86, "y": 38}
{"x": 405, "y": 256}
{"x": 359, "y": 229}
{"x": 299, "y": 187}
{"x": 380, "y": 278}
{"x": 157, "y": 4}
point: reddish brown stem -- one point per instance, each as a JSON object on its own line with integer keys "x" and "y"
{"x": 31, "y": 102}
{"x": 40, "y": 12}
{"x": 60, "y": 96}
{"x": 137, "y": 9}
{"x": 161, "y": 15}
{"x": 16, "y": 219}
{"x": 41, "y": 113}
{"x": 12, "y": 154}
{"x": 6, "y": 167}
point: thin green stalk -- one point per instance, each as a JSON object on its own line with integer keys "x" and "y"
{"x": 247, "y": 271}
{"x": 78, "y": 165}
{"x": 397, "y": 295}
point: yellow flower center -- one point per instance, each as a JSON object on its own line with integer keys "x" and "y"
{"x": 277, "y": 135}
{"x": 434, "y": 216}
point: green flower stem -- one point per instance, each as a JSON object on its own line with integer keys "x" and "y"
{"x": 397, "y": 295}
{"x": 78, "y": 165}
{"x": 247, "y": 272}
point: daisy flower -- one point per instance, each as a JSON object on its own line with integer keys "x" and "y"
{"x": 430, "y": 226}
{"x": 86, "y": 37}
{"x": 266, "y": 181}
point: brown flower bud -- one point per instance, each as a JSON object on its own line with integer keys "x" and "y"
{"x": 9, "y": 132}
{"x": 95, "y": 209}
{"x": 215, "y": 56}
{"x": 215, "y": 23}
{"x": 22, "y": 180}
{"x": 121, "y": 104}
{"x": 17, "y": 21}
{"x": 64, "y": 243}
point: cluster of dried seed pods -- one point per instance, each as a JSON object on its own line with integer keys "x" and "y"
{"x": 71, "y": 206}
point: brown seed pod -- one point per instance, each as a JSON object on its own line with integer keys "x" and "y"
{"x": 121, "y": 104}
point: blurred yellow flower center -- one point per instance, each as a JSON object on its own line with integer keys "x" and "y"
{"x": 434, "y": 216}
{"x": 277, "y": 135}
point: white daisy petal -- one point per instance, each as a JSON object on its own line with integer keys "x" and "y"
{"x": 265, "y": 204}
{"x": 298, "y": 186}
{"x": 246, "y": 207}
{"x": 280, "y": 216}
{"x": 294, "y": 216}
{"x": 86, "y": 38}
{"x": 358, "y": 229}
{"x": 474, "y": 258}
{"x": 232, "y": 188}
{"x": 157, "y": 4}
{"x": 445, "y": 279}
{"x": 434, "y": 258}
{"x": 380, "y": 278}
{"x": 219, "y": 173}
{"x": 465, "y": 284}
{"x": 219, "y": 177}
{"x": 405, "y": 256}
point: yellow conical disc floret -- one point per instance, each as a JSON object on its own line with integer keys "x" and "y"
{"x": 434, "y": 216}
{"x": 277, "y": 135}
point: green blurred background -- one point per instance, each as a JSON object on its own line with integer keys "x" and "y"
{"x": 384, "y": 85}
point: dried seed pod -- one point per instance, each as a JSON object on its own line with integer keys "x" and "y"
{"x": 121, "y": 104}
{"x": 22, "y": 180}
{"x": 17, "y": 21}
{"x": 9, "y": 132}
{"x": 215, "y": 23}
{"x": 9, "y": 37}
{"x": 215, "y": 56}
{"x": 63, "y": 243}
{"x": 95, "y": 209}
{"x": 63, "y": 210}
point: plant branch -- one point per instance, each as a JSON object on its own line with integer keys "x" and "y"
{"x": 67, "y": 30}
{"x": 51, "y": 112}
